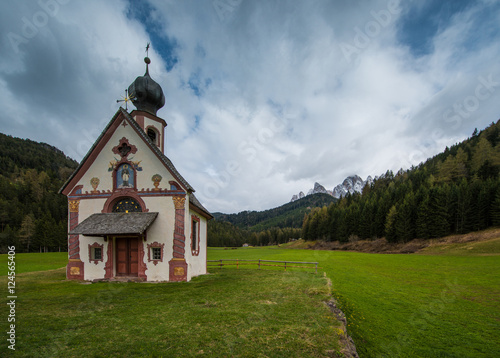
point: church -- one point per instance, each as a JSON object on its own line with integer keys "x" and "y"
{"x": 132, "y": 216}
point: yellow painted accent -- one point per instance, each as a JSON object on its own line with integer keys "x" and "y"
{"x": 178, "y": 271}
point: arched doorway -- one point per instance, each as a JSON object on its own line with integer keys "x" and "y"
{"x": 127, "y": 248}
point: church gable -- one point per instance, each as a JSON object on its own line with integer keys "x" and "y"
{"x": 123, "y": 158}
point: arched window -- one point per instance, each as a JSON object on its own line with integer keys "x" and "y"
{"x": 153, "y": 135}
{"x": 126, "y": 205}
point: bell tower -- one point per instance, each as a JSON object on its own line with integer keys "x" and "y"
{"x": 147, "y": 96}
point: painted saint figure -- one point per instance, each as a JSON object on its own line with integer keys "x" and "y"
{"x": 125, "y": 176}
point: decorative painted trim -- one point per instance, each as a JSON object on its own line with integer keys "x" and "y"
{"x": 120, "y": 194}
{"x": 74, "y": 206}
{"x": 106, "y": 194}
{"x": 73, "y": 240}
{"x": 77, "y": 190}
{"x": 108, "y": 267}
{"x": 179, "y": 238}
{"x": 137, "y": 114}
{"x": 141, "y": 270}
{"x": 195, "y": 219}
{"x": 94, "y": 246}
{"x": 175, "y": 185}
{"x": 177, "y": 270}
{"x": 94, "y": 182}
{"x": 124, "y": 148}
{"x": 179, "y": 202}
{"x": 140, "y": 121}
{"x": 156, "y": 178}
{"x": 156, "y": 245}
{"x": 75, "y": 267}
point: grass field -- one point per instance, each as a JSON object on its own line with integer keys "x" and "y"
{"x": 227, "y": 314}
{"x": 409, "y": 305}
{"x": 442, "y": 304}
{"x": 35, "y": 262}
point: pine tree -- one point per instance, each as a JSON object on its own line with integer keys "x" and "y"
{"x": 482, "y": 153}
{"x": 406, "y": 219}
{"x": 28, "y": 230}
{"x": 495, "y": 209}
{"x": 438, "y": 224}
{"x": 390, "y": 229}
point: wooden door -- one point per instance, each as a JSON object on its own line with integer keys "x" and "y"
{"x": 127, "y": 256}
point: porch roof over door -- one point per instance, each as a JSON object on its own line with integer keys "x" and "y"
{"x": 115, "y": 224}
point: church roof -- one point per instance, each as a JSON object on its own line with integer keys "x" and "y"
{"x": 115, "y": 224}
{"x": 193, "y": 201}
{"x": 163, "y": 158}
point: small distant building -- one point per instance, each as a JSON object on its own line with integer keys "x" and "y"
{"x": 245, "y": 245}
{"x": 131, "y": 213}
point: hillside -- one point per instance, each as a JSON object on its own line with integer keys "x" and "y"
{"x": 287, "y": 215}
{"x": 273, "y": 226}
{"x": 33, "y": 216}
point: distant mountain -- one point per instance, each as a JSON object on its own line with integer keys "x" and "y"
{"x": 351, "y": 184}
{"x": 318, "y": 188}
{"x": 287, "y": 215}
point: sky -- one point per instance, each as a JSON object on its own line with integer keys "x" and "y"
{"x": 263, "y": 97}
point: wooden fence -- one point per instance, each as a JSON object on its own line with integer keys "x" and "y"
{"x": 237, "y": 262}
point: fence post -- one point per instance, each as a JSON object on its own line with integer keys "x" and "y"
{"x": 220, "y": 264}
{"x": 259, "y": 264}
{"x": 285, "y": 265}
{"x": 316, "y": 267}
{"x": 237, "y": 264}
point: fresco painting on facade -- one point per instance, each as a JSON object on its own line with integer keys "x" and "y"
{"x": 95, "y": 183}
{"x": 156, "y": 181}
{"x": 125, "y": 176}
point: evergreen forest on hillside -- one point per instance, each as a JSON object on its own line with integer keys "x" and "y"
{"x": 33, "y": 216}
{"x": 260, "y": 228}
{"x": 455, "y": 192}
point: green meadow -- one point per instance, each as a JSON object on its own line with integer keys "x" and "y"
{"x": 427, "y": 305}
{"x": 409, "y": 305}
{"x": 225, "y": 314}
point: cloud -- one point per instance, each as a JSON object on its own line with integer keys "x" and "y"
{"x": 262, "y": 99}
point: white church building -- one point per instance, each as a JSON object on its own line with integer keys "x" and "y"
{"x": 131, "y": 213}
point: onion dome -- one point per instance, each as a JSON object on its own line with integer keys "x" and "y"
{"x": 146, "y": 94}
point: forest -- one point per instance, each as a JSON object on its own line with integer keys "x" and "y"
{"x": 455, "y": 192}
{"x": 261, "y": 228}
{"x": 33, "y": 216}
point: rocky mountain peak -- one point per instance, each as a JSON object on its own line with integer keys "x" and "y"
{"x": 352, "y": 184}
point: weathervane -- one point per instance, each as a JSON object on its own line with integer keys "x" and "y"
{"x": 146, "y": 59}
{"x": 127, "y": 98}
